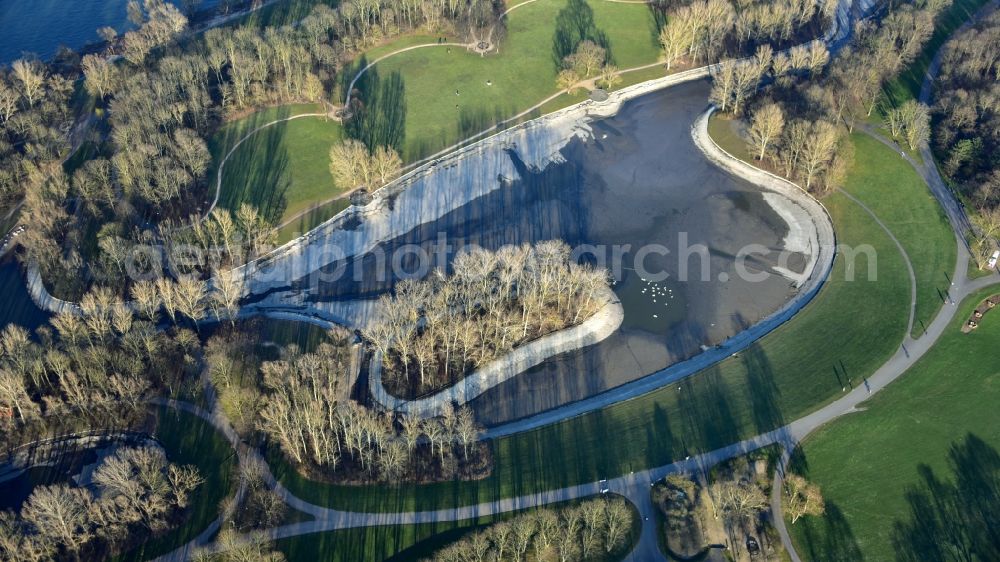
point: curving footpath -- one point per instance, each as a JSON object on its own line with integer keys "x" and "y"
{"x": 960, "y": 224}
{"x": 634, "y": 486}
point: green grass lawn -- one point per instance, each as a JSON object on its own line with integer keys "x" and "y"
{"x": 284, "y": 332}
{"x": 894, "y": 191}
{"x": 190, "y": 440}
{"x": 866, "y": 462}
{"x": 802, "y": 365}
{"x": 522, "y": 73}
{"x": 282, "y": 169}
{"x": 405, "y": 542}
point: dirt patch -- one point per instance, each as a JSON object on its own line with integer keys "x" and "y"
{"x": 977, "y": 315}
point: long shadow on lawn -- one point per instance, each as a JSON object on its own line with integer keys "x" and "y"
{"x": 831, "y": 538}
{"x": 575, "y": 24}
{"x": 764, "y": 393}
{"x": 257, "y": 173}
{"x": 957, "y": 518}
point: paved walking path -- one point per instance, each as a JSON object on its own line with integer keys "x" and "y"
{"x": 634, "y": 486}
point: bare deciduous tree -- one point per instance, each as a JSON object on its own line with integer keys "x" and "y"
{"x": 766, "y": 126}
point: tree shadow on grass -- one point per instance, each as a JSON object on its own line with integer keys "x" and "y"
{"x": 575, "y": 24}
{"x": 473, "y": 121}
{"x": 764, "y": 392}
{"x": 708, "y": 419}
{"x": 830, "y": 537}
{"x": 258, "y": 173}
{"x": 958, "y": 518}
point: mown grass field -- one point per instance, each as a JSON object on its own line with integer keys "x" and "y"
{"x": 830, "y": 345}
{"x": 522, "y": 73}
{"x": 867, "y": 462}
{"x": 894, "y": 191}
{"x": 282, "y": 169}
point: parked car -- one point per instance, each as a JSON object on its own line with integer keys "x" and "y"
{"x": 993, "y": 260}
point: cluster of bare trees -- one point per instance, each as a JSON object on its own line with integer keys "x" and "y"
{"x": 735, "y": 81}
{"x": 188, "y": 297}
{"x": 433, "y": 332}
{"x": 800, "y": 498}
{"x": 158, "y": 23}
{"x": 798, "y": 124}
{"x": 237, "y": 547}
{"x": 800, "y": 149}
{"x": 967, "y": 112}
{"x": 879, "y": 51}
{"x": 364, "y": 22}
{"x": 309, "y": 415}
{"x": 737, "y": 502}
{"x": 301, "y": 403}
{"x": 779, "y": 22}
{"x": 705, "y": 29}
{"x": 138, "y": 492}
{"x": 225, "y": 239}
{"x": 261, "y": 507}
{"x": 910, "y": 122}
{"x": 592, "y": 530}
{"x": 352, "y": 165}
{"x": 589, "y": 60}
{"x": 100, "y": 366}
{"x": 34, "y": 115}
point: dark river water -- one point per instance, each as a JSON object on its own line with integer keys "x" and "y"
{"x": 639, "y": 181}
{"x": 40, "y": 26}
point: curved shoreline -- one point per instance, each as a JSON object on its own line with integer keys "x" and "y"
{"x": 598, "y": 327}
{"x": 809, "y": 288}
{"x": 439, "y": 187}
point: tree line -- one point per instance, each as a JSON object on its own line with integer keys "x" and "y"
{"x": 801, "y": 105}
{"x": 703, "y": 30}
{"x": 966, "y": 125}
{"x": 431, "y": 333}
{"x": 594, "y": 529}
{"x": 101, "y": 367}
{"x": 301, "y": 403}
{"x": 136, "y": 493}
